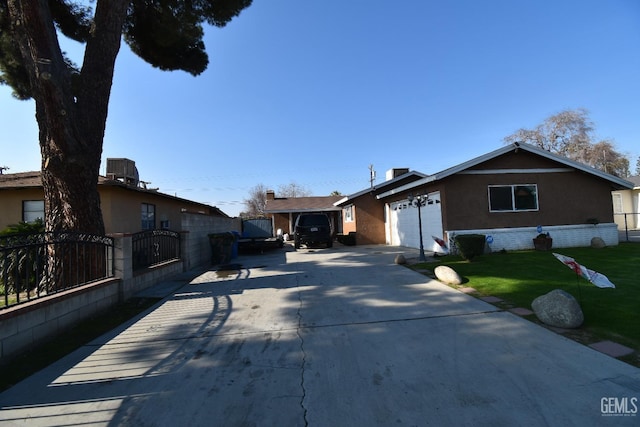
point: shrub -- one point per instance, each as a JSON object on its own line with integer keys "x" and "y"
{"x": 470, "y": 245}
{"x": 347, "y": 239}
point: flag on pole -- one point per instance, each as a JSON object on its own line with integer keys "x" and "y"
{"x": 600, "y": 280}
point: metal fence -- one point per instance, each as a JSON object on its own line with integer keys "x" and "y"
{"x": 154, "y": 247}
{"x": 628, "y": 231}
{"x": 34, "y": 265}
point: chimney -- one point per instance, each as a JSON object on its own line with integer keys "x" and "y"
{"x": 271, "y": 195}
{"x": 395, "y": 172}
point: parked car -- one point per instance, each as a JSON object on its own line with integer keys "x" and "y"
{"x": 312, "y": 229}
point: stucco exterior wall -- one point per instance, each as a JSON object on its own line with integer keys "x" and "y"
{"x": 629, "y": 216}
{"x": 565, "y": 196}
{"x": 11, "y": 204}
{"x": 121, "y": 207}
{"x": 369, "y": 221}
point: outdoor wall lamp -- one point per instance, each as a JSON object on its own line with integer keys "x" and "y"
{"x": 419, "y": 201}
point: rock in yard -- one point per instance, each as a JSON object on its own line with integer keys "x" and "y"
{"x": 447, "y": 275}
{"x": 598, "y": 243}
{"x": 400, "y": 259}
{"x": 558, "y": 308}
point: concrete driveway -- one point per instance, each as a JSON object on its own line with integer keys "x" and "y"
{"x": 327, "y": 337}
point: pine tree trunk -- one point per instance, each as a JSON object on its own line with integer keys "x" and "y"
{"x": 71, "y": 118}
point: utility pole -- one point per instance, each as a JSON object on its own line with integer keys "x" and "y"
{"x": 372, "y": 175}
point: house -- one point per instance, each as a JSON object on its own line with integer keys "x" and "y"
{"x": 626, "y": 206}
{"x": 363, "y": 213}
{"x": 283, "y": 211}
{"x": 507, "y": 195}
{"x": 127, "y": 207}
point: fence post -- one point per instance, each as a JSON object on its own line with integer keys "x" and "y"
{"x": 122, "y": 262}
{"x": 185, "y": 250}
{"x": 626, "y": 227}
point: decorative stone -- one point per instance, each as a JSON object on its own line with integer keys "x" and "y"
{"x": 400, "y": 259}
{"x": 559, "y": 309}
{"x": 447, "y": 275}
{"x": 598, "y": 243}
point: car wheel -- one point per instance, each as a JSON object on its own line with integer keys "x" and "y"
{"x": 296, "y": 243}
{"x": 330, "y": 243}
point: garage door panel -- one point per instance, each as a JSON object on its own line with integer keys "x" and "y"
{"x": 404, "y": 223}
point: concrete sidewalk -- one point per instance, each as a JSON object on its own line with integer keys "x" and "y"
{"x": 327, "y": 337}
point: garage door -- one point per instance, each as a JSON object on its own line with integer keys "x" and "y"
{"x": 403, "y": 223}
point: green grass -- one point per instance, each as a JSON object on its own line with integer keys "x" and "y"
{"x": 47, "y": 353}
{"x": 520, "y": 277}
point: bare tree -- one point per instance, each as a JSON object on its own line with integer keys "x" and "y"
{"x": 570, "y": 134}
{"x": 603, "y": 156}
{"x": 255, "y": 203}
{"x": 293, "y": 189}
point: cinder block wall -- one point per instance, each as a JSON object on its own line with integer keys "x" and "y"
{"x": 197, "y": 249}
{"x": 27, "y": 325}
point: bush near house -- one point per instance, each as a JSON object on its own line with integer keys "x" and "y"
{"x": 470, "y": 245}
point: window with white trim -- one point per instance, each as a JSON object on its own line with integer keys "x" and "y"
{"x": 32, "y": 210}
{"x": 513, "y": 198}
{"x": 348, "y": 213}
{"x": 617, "y": 203}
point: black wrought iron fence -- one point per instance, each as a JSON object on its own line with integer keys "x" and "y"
{"x": 154, "y": 247}
{"x": 34, "y": 265}
{"x": 629, "y": 231}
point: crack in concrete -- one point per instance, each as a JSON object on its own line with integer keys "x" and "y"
{"x": 304, "y": 359}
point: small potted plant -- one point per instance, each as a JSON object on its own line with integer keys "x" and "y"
{"x": 542, "y": 242}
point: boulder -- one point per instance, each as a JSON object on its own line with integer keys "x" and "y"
{"x": 598, "y": 243}
{"x": 558, "y": 308}
{"x": 400, "y": 259}
{"x": 447, "y": 275}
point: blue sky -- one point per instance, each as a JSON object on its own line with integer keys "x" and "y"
{"x": 313, "y": 92}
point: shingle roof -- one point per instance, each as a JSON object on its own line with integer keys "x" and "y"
{"x": 415, "y": 175}
{"x": 33, "y": 180}
{"x": 617, "y": 183}
{"x": 302, "y": 204}
{"x": 30, "y": 180}
{"x": 635, "y": 180}
{"x": 22, "y": 179}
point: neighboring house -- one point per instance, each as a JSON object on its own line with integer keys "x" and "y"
{"x": 284, "y": 210}
{"x": 505, "y": 194}
{"x": 126, "y": 207}
{"x": 626, "y": 206}
{"x": 363, "y": 213}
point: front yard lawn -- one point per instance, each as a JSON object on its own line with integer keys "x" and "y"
{"x": 520, "y": 277}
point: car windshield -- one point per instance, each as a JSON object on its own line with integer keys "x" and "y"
{"x": 307, "y": 220}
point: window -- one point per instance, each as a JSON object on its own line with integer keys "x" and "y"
{"x": 617, "y": 203}
{"x": 512, "y": 198}
{"x": 148, "y": 216}
{"x": 348, "y": 213}
{"x": 32, "y": 210}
